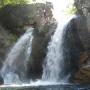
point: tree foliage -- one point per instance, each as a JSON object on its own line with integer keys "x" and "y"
{"x": 71, "y": 10}
{"x": 13, "y": 2}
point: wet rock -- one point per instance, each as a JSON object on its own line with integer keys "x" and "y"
{"x": 1, "y": 80}
{"x": 39, "y": 49}
{"x": 83, "y": 75}
{"x": 72, "y": 47}
{"x": 83, "y": 9}
{"x": 6, "y": 41}
{"x": 83, "y": 58}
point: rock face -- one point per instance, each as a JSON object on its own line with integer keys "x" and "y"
{"x": 14, "y": 18}
{"x": 7, "y": 39}
{"x": 77, "y": 50}
{"x": 39, "y": 50}
{"x": 72, "y": 48}
{"x": 83, "y": 73}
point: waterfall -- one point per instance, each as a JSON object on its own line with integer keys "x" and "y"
{"x": 54, "y": 62}
{"x": 14, "y": 68}
{"x": 15, "y": 64}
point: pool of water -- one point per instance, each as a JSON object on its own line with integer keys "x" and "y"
{"x": 45, "y": 87}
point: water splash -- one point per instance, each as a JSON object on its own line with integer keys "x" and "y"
{"x": 54, "y": 62}
{"x": 16, "y": 60}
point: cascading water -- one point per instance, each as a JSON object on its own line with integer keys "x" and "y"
{"x": 16, "y": 61}
{"x": 54, "y": 62}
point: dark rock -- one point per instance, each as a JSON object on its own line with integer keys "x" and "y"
{"x": 39, "y": 49}
{"x": 76, "y": 41}
{"x": 6, "y": 41}
{"x": 83, "y": 9}
{"x": 1, "y": 80}
{"x": 16, "y": 17}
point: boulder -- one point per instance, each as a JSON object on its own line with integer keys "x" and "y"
{"x": 72, "y": 46}
{"x": 39, "y": 49}
{"x": 15, "y": 17}
{"x": 82, "y": 75}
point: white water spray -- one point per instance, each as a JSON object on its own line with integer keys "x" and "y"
{"x": 54, "y": 64}
{"x": 54, "y": 59}
{"x": 16, "y": 60}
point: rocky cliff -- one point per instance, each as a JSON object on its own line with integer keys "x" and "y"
{"x": 83, "y": 9}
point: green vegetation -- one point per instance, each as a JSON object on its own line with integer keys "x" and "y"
{"x": 71, "y": 9}
{"x": 13, "y": 2}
